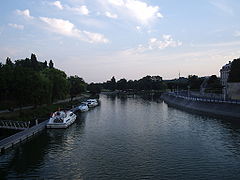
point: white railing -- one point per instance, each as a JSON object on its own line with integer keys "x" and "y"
{"x": 202, "y": 99}
{"x": 17, "y": 125}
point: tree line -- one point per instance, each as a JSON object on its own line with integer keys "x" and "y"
{"x": 156, "y": 83}
{"x": 31, "y": 82}
{"x": 144, "y": 84}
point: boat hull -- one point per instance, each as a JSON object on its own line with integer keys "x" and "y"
{"x": 61, "y": 125}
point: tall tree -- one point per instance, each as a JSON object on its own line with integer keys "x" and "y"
{"x": 51, "y": 64}
{"x": 234, "y": 74}
{"x": 59, "y": 84}
{"x": 77, "y": 86}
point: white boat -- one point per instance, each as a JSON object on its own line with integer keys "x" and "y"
{"x": 61, "y": 119}
{"x": 83, "y": 107}
{"x": 92, "y": 102}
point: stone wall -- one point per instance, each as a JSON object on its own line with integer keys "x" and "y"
{"x": 222, "y": 110}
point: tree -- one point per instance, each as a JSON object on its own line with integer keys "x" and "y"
{"x": 33, "y": 58}
{"x": 51, "y": 64}
{"x": 59, "y": 84}
{"x": 213, "y": 83}
{"x": 9, "y": 62}
{"x": 194, "y": 82}
{"x": 234, "y": 74}
{"x": 45, "y": 64}
{"x": 77, "y": 86}
{"x": 94, "y": 88}
{"x": 122, "y": 84}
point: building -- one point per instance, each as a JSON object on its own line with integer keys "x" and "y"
{"x": 224, "y": 73}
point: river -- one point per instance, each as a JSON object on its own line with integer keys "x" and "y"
{"x": 130, "y": 138}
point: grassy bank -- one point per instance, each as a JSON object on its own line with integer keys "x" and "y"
{"x": 42, "y": 112}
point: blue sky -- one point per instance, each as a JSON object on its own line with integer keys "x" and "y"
{"x": 98, "y": 39}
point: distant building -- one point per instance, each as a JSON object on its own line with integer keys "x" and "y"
{"x": 224, "y": 73}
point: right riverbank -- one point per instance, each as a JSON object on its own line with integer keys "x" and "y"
{"x": 228, "y": 111}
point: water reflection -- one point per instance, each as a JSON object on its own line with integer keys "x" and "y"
{"x": 130, "y": 138}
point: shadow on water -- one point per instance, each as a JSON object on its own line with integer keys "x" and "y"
{"x": 137, "y": 137}
{"x": 26, "y": 158}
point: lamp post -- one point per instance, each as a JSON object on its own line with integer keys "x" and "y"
{"x": 188, "y": 91}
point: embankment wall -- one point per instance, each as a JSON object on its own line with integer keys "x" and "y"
{"x": 222, "y": 110}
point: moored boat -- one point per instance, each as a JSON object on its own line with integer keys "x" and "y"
{"x": 83, "y": 107}
{"x": 92, "y": 102}
{"x": 61, "y": 119}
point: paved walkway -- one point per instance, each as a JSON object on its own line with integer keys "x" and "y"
{"x": 57, "y": 102}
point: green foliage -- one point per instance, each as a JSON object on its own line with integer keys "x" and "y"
{"x": 194, "y": 81}
{"x": 122, "y": 84}
{"x": 30, "y": 82}
{"x": 51, "y": 64}
{"x": 145, "y": 83}
{"x": 58, "y": 83}
{"x": 234, "y": 74}
{"x": 94, "y": 88}
{"x": 213, "y": 83}
{"x": 77, "y": 86}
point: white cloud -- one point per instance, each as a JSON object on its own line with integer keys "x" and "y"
{"x": 116, "y": 2}
{"x": 81, "y": 9}
{"x": 237, "y": 34}
{"x": 110, "y": 15}
{"x": 57, "y": 4}
{"x": 66, "y": 28}
{"x": 154, "y": 44}
{"x": 222, "y": 5}
{"x": 25, "y": 13}
{"x": 16, "y": 26}
{"x": 137, "y": 9}
{"x": 167, "y": 41}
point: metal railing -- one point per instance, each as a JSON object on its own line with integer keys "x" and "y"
{"x": 188, "y": 96}
{"x": 17, "y": 125}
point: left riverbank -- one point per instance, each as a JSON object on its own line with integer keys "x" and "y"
{"x": 19, "y": 137}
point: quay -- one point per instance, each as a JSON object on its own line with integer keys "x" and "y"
{"x": 225, "y": 109}
{"x": 21, "y": 136}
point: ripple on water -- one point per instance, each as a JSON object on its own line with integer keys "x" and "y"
{"x": 130, "y": 138}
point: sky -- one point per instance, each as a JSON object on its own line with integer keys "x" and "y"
{"x": 98, "y": 39}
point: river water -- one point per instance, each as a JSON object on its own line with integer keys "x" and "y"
{"x": 130, "y": 138}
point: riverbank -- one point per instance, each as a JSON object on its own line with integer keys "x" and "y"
{"x": 19, "y": 137}
{"x": 42, "y": 112}
{"x": 228, "y": 111}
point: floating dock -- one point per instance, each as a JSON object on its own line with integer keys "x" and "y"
{"x": 19, "y": 137}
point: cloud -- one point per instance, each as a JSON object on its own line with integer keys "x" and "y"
{"x": 237, "y": 34}
{"x": 167, "y": 41}
{"x": 57, "y": 4}
{"x": 154, "y": 44}
{"x": 117, "y": 2}
{"x": 16, "y": 26}
{"x": 137, "y": 9}
{"x": 25, "y": 13}
{"x": 66, "y": 28}
{"x": 220, "y": 4}
{"x": 110, "y": 15}
{"x": 81, "y": 9}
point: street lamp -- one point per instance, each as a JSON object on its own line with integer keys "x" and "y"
{"x": 188, "y": 90}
